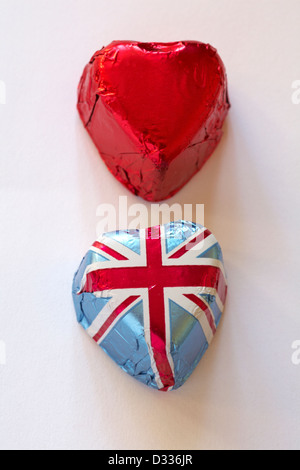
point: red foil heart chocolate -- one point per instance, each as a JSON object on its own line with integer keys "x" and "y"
{"x": 155, "y": 111}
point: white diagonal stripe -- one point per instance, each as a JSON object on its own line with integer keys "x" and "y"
{"x": 117, "y": 297}
{"x": 184, "y": 242}
{"x": 191, "y": 308}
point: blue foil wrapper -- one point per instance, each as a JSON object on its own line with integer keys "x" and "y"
{"x": 153, "y": 299}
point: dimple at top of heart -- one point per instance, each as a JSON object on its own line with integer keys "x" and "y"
{"x": 163, "y": 92}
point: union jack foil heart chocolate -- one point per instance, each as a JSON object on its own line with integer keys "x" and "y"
{"x": 152, "y": 299}
{"x": 155, "y": 111}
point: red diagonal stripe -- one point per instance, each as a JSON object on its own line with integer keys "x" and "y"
{"x": 110, "y": 251}
{"x": 199, "y": 238}
{"x": 194, "y": 298}
{"x": 114, "y": 315}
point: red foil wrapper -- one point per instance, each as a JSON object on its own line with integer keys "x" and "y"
{"x": 155, "y": 111}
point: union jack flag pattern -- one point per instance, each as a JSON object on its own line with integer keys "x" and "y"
{"x": 152, "y": 299}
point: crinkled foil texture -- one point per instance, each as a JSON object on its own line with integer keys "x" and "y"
{"x": 155, "y": 111}
{"x": 152, "y": 300}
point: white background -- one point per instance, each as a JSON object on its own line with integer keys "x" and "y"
{"x": 58, "y": 389}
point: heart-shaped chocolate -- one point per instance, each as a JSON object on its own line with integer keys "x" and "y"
{"x": 155, "y": 111}
{"x": 152, "y": 299}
